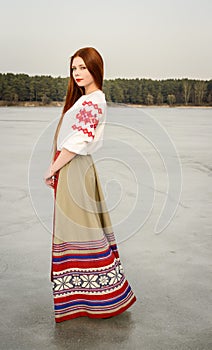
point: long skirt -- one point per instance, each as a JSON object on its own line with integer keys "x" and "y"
{"x": 87, "y": 275}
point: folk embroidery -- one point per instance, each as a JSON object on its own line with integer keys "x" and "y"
{"x": 88, "y": 116}
{"x": 88, "y": 280}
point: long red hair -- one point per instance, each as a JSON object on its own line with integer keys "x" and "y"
{"x": 95, "y": 66}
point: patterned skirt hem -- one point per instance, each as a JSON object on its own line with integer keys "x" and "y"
{"x": 103, "y": 315}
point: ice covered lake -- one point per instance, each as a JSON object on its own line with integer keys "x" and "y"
{"x": 156, "y": 173}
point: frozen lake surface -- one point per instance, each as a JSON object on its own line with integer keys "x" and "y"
{"x": 156, "y": 173}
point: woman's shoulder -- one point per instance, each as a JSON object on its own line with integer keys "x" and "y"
{"x": 97, "y": 96}
{"x": 95, "y": 99}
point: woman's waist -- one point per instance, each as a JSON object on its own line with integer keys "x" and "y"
{"x": 57, "y": 153}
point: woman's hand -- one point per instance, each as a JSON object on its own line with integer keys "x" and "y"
{"x": 64, "y": 157}
{"x": 49, "y": 177}
{"x": 50, "y": 182}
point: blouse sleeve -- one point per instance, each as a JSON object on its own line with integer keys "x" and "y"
{"x": 80, "y": 126}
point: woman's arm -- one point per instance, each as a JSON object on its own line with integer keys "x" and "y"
{"x": 64, "y": 157}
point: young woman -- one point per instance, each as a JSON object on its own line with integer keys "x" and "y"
{"x": 88, "y": 279}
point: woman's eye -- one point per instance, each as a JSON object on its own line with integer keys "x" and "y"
{"x": 74, "y": 68}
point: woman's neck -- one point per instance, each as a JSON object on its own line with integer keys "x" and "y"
{"x": 91, "y": 88}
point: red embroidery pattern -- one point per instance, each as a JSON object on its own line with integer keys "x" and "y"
{"x": 87, "y": 117}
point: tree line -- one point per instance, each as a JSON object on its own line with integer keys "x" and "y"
{"x": 46, "y": 89}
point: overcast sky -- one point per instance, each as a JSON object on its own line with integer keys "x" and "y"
{"x": 156, "y": 39}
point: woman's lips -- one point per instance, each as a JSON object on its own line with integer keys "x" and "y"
{"x": 78, "y": 80}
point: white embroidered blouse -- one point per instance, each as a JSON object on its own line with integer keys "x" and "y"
{"x": 82, "y": 128}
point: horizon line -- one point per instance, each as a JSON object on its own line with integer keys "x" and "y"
{"x": 109, "y": 78}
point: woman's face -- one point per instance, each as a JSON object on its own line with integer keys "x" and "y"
{"x": 81, "y": 74}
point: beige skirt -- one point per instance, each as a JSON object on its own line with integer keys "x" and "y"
{"x": 87, "y": 275}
